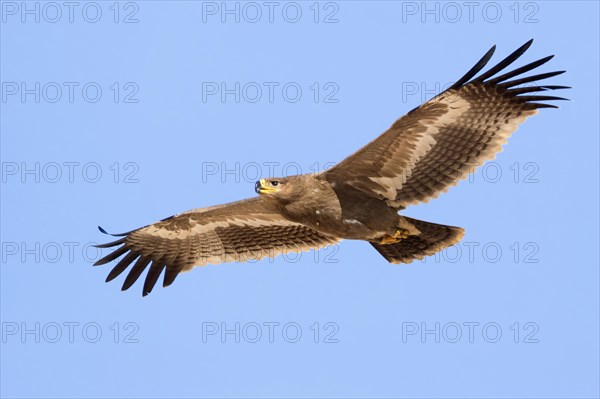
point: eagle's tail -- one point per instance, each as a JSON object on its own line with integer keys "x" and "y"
{"x": 433, "y": 238}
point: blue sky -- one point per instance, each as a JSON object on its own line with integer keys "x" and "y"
{"x": 120, "y": 114}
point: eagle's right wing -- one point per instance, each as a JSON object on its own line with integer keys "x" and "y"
{"x": 238, "y": 231}
{"x": 437, "y": 144}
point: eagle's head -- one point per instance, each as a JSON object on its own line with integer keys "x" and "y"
{"x": 271, "y": 186}
{"x": 282, "y": 189}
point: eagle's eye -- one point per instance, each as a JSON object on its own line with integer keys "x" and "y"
{"x": 274, "y": 183}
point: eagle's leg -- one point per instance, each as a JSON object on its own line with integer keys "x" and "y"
{"x": 397, "y": 236}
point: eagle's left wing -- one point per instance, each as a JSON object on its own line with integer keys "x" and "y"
{"x": 437, "y": 144}
{"x": 238, "y": 231}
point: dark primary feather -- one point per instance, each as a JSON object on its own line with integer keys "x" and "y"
{"x": 112, "y": 256}
{"x": 528, "y": 79}
{"x": 531, "y": 89}
{"x": 155, "y": 270}
{"x": 111, "y": 234}
{"x": 504, "y": 63}
{"x": 518, "y": 71}
{"x": 501, "y": 82}
{"x": 111, "y": 244}
{"x": 170, "y": 276}
{"x": 136, "y": 271}
{"x": 476, "y": 68}
{"x": 121, "y": 266}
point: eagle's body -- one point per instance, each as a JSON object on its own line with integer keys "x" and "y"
{"x": 335, "y": 209}
{"x": 421, "y": 155}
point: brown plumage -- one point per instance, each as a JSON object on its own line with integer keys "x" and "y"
{"x": 420, "y": 156}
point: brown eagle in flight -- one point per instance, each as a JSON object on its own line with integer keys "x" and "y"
{"x": 420, "y": 156}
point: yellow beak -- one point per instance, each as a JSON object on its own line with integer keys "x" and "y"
{"x": 262, "y": 187}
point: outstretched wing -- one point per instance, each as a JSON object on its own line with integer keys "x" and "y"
{"x": 238, "y": 231}
{"x": 437, "y": 144}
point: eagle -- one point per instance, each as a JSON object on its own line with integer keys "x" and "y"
{"x": 420, "y": 156}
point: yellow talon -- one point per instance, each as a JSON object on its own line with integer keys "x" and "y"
{"x": 388, "y": 240}
{"x": 400, "y": 234}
